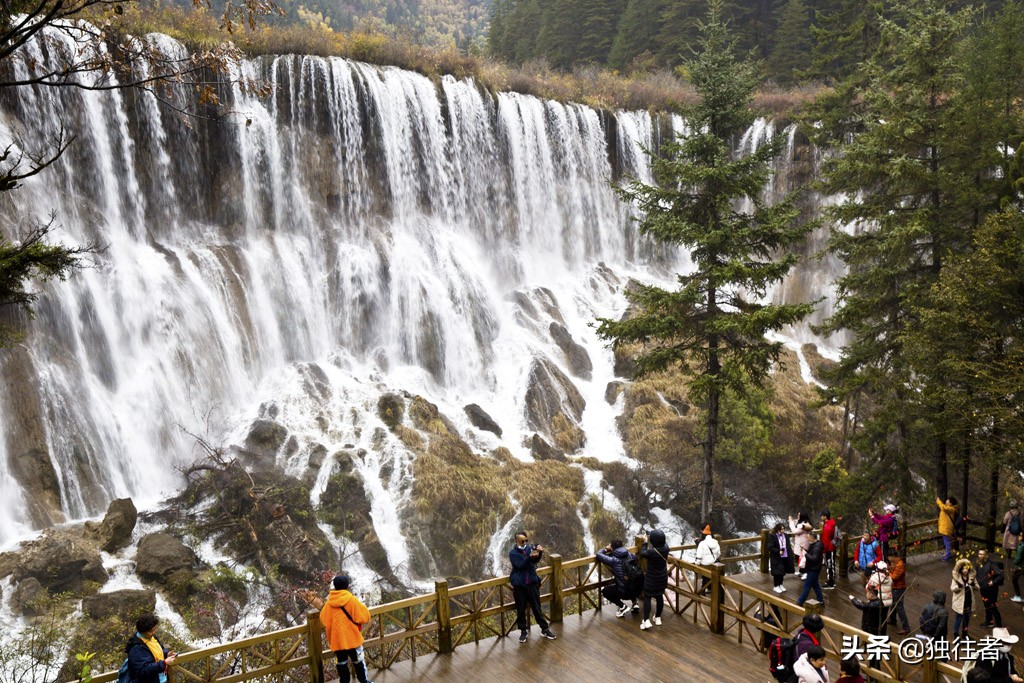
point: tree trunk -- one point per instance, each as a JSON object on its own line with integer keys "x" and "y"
{"x": 965, "y": 485}
{"x": 711, "y": 438}
{"x": 993, "y": 506}
{"x": 942, "y": 470}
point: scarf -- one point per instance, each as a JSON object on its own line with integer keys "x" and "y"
{"x": 157, "y": 650}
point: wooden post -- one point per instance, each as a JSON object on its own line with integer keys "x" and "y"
{"x": 556, "y": 588}
{"x": 812, "y": 606}
{"x": 315, "y": 646}
{"x": 444, "y": 617}
{"x": 717, "y": 598}
{"x": 844, "y": 556}
{"x": 929, "y": 671}
{"x": 764, "y": 551}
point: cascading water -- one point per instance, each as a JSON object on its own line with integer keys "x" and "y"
{"x": 362, "y": 230}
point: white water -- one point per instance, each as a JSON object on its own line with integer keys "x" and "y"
{"x": 363, "y": 220}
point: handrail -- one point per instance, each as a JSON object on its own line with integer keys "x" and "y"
{"x": 441, "y": 621}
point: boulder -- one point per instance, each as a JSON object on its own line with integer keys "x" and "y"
{"x": 115, "y": 531}
{"x": 265, "y": 439}
{"x": 542, "y": 450}
{"x": 613, "y": 391}
{"x": 481, "y": 420}
{"x": 128, "y": 604}
{"x": 160, "y": 555}
{"x": 61, "y": 561}
{"x": 26, "y": 597}
{"x": 575, "y": 355}
{"x": 548, "y": 393}
{"x": 391, "y": 409}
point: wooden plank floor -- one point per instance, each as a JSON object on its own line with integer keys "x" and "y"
{"x": 593, "y": 646}
{"x": 596, "y": 642}
{"x": 925, "y": 574}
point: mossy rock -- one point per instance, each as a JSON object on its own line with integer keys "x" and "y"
{"x": 391, "y": 410}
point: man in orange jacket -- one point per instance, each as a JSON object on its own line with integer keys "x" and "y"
{"x": 343, "y": 617}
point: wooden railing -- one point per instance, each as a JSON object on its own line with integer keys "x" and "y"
{"x": 441, "y": 621}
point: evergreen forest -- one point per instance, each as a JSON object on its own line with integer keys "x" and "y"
{"x": 798, "y": 40}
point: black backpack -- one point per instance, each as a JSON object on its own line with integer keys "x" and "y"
{"x": 1014, "y": 526}
{"x": 631, "y": 570}
{"x": 781, "y": 657}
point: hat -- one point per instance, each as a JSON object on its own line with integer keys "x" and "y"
{"x": 1003, "y": 635}
{"x": 341, "y": 582}
{"x": 889, "y": 508}
{"x": 707, "y": 530}
{"x": 882, "y": 566}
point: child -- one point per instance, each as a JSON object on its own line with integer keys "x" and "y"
{"x": 850, "y": 668}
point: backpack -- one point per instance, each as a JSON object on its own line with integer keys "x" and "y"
{"x": 631, "y": 570}
{"x": 1014, "y": 526}
{"x": 123, "y": 675}
{"x": 781, "y": 657}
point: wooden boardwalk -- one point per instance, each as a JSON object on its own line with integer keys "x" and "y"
{"x": 594, "y": 645}
{"x": 596, "y": 642}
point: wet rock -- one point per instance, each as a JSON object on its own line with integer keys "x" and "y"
{"x": 481, "y": 420}
{"x": 115, "y": 531}
{"x": 542, "y": 450}
{"x": 575, "y": 355}
{"x": 315, "y": 381}
{"x": 61, "y": 561}
{"x": 28, "y": 454}
{"x": 128, "y": 605}
{"x": 549, "y": 392}
{"x": 268, "y": 411}
{"x": 27, "y": 597}
{"x": 613, "y": 391}
{"x": 391, "y": 410}
{"x": 160, "y": 555}
{"x": 265, "y": 439}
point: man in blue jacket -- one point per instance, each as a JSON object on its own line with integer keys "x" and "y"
{"x": 526, "y": 585}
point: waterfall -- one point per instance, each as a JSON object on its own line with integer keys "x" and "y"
{"x": 363, "y": 229}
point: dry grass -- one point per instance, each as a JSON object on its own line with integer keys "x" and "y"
{"x": 654, "y": 91}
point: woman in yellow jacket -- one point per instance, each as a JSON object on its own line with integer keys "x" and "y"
{"x": 947, "y": 529}
{"x": 344, "y": 616}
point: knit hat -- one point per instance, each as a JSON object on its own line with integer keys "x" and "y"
{"x": 341, "y": 582}
{"x": 707, "y": 530}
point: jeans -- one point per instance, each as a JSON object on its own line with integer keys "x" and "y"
{"x": 960, "y": 620}
{"x": 898, "y": 609}
{"x": 949, "y": 548}
{"x": 809, "y": 582}
{"x": 528, "y": 597}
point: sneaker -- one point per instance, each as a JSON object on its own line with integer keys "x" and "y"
{"x": 987, "y": 625}
{"x": 645, "y": 624}
{"x": 657, "y": 621}
{"x": 622, "y": 611}
{"x": 783, "y": 589}
{"x": 522, "y": 636}
{"x": 546, "y": 633}
{"x": 829, "y": 587}
{"x": 803, "y": 577}
{"x": 636, "y": 608}
{"x": 778, "y": 589}
{"x": 1017, "y": 598}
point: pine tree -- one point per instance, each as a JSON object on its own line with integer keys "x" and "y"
{"x": 599, "y": 22}
{"x": 792, "y": 53}
{"x": 901, "y": 221}
{"x": 713, "y": 326}
{"x": 636, "y": 36}
{"x": 845, "y": 36}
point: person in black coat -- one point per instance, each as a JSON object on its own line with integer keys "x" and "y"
{"x": 615, "y": 555}
{"x": 812, "y": 569}
{"x": 780, "y": 557}
{"x": 655, "y": 551}
{"x": 990, "y": 577}
{"x": 148, "y": 659}
{"x": 935, "y": 618}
